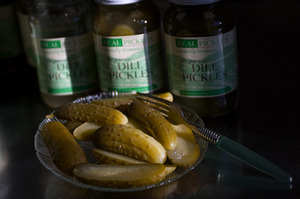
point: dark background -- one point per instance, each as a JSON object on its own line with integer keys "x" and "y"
{"x": 266, "y": 119}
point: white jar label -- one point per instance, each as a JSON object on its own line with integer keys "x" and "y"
{"x": 202, "y": 66}
{"x": 130, "y": 63}
{"x": 66, "y": 65}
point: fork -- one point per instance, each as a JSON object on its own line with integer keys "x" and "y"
{"x": 179, "y": 114}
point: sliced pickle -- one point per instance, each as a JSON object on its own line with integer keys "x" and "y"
{"x": 121, "y": 176}
{"x": 184, "y": 132}
{"x": 85, "y": 131}
{"x": 64, "y": 150}
{"x": 84, "y": 112}
{"x": 185, "y": 153}
{"x": 106, "y": 157}
{"x": 131, "y": 142}
{"x": 160, "y": 127}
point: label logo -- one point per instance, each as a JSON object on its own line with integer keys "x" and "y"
{"x": 112, "y": 42}
{"x": 186, "y": 43}
{"x": 50, "y": 44}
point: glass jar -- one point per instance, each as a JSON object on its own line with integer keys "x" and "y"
{"x": 63, "y": 43}
{"x": 128, "y": 46}
{"x": 200, "y": 40}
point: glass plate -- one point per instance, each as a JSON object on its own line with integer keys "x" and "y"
{"x": 46, "y": 159}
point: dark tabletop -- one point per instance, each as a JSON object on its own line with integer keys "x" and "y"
{"x": 265, "y": 121}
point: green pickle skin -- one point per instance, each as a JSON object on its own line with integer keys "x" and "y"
{"x": 202, "y": 21}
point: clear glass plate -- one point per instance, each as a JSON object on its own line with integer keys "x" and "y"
{"x": 46, "y": 159}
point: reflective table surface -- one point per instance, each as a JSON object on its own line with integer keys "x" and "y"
{"x": 266, "y": 121}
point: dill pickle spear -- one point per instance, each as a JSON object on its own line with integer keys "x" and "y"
{"x": 85, "y": 131}
{"x": 137, "y": 125}
{"x": 121, "y": 176}
{"x": 62, "y": 146}
{"x": 160, "y": 127}
{"x": 114, "y": 102}
{"x": 106, "y": 157}
{"x": 185, "y": 153}
{"x": 184, "y": 132}
{"x": 170, "y": 168}
{"x": 129, "y": 141}
{"x": 84, "y": 112}
{"x": 120, "y": 104}
{"x": 72, "y": 125}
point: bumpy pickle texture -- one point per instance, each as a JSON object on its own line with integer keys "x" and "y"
{"x": 160, "y": 127}
{"x": 64, "y": 149}
{"x": 84, "y": 112}
{"x": 131, "y": 142}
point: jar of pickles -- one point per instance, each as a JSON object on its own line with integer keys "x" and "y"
{"x": 127, "y": 38}
{"x": 200, "y": 40}
{"x": 63, "y": 43}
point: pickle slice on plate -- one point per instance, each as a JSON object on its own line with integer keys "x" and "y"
{"x": 131, "y": 142}
{"x": 120, "y": 104}
{"x": 121, "y": 176}
{"x": 64, "y": 150}
{"x": 85, "y": 131}
{"x": 160, "y": 127}
{"x": 184, "y": 132}
{"x": 106, "y": 157}
{"x": 170, "y": 168}
{"x": 185, "y": 153}
{"x": 84, "y": 112}
{"x": 137, "y": 125}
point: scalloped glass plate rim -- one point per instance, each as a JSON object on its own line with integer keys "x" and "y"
{"x": 46, "y": 160}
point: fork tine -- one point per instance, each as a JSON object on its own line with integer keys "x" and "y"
{"x": 153, "y": 102}
{"x": 156, "y": 98}
{"x": 189, "y": 114}
{"x": 160, "y": 107}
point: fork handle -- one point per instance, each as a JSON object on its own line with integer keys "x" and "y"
{"x": 249, "y": 157}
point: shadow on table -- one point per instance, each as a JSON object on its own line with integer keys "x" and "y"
{"x": 186, "y": 186}
{"x": 204, "y": 181}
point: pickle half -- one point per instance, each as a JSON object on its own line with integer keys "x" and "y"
{"x": 160, "y": 127}
{"x": 121, "y": 176}
{"x": 84, "y": 112}
{"x": 131, "y": 142}
{"x": 62, "y": 146}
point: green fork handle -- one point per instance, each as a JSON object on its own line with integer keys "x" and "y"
{"x": 249, "y": 157}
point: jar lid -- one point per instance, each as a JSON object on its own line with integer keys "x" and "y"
{"x": 193, "y": 2}
{"x": 116, "y": 2}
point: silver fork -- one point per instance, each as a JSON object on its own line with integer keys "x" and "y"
{"x": 179, "y": 114}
